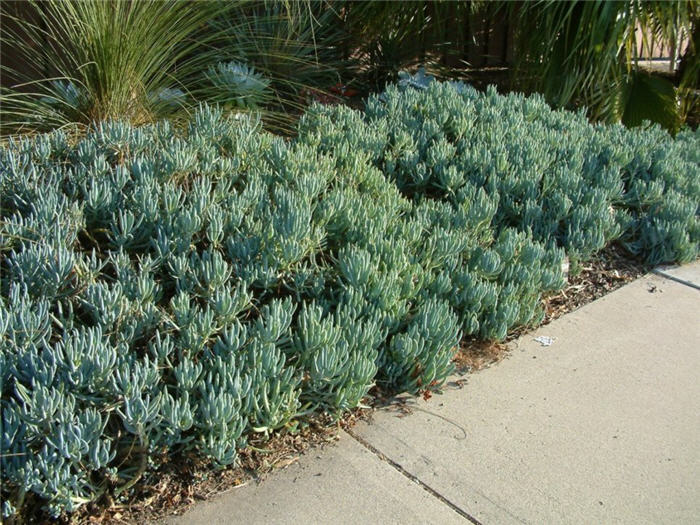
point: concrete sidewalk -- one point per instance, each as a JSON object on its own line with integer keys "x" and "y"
{"x": 603, "y": 426}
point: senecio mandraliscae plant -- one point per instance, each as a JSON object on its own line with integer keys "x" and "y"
{"x": 171, "y": 291}
{"x": 550, "y": 173}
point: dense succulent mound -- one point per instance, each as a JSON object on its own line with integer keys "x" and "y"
{"x": 549, "y": 173}
{"x": 173, "y": 291}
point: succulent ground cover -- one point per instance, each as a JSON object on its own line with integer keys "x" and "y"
{"x": 181, "y": 481}
{"x": 170, "y": 292}
{"x": 549, "y": 173}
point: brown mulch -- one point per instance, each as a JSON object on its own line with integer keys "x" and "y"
{"x": 177, "y": 485}
{"x": 608, "y": 271}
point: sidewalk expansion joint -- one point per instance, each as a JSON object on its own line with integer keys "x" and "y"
{"x": 413, "y": 478}
{"x": 672, "y": 278}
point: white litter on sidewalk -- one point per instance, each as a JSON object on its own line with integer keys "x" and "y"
{"x": 545, "y": 340}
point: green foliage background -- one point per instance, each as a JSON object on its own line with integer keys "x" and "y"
{"x": 79, "y": 62}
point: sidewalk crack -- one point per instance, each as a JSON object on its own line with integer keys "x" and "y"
{"x": 660, "y": 273}
{"x": 411, "y": 477}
